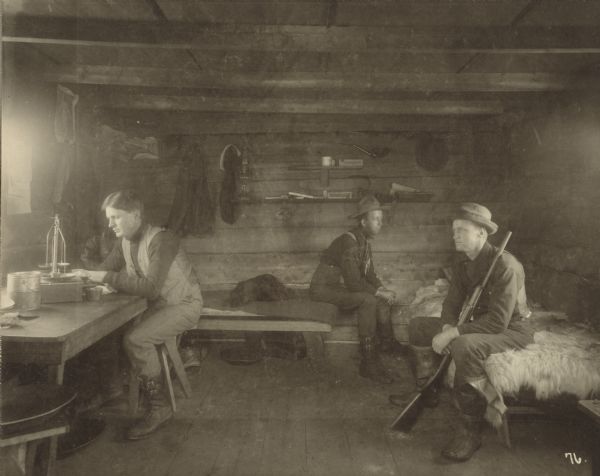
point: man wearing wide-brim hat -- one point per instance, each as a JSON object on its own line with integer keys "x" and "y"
{"x": 346, "y": 277}
{"x": 496, "y": 325}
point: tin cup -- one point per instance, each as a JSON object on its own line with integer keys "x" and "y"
{"x": 93, "y": 293}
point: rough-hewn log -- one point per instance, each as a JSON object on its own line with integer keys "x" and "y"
{"x": 299, "y": 267}
{"x": 195, "y": 103}
{"x": 277, "y": 240}
{"x": 198, "y": 123}
{"x": 188, "y": 35}
{"x": 380, "y": 82}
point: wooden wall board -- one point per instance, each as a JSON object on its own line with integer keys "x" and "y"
{"x": 298, "y": 268}
{"x": 441, "y": 107}
{"x": 407, "y": 239}
{"x": 194, "y": 123}
{"x": 130, "y": 10}
{"x": 305, "y": 83}
{"x": 277, "y": 215}
{"x": 485, "y": 189}
{"x": 381, "y": 13}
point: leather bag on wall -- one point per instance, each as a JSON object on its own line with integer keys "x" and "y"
{"x": 229, "y": 197}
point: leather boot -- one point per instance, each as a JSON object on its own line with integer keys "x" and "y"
{"x": 425, "y": 362}
{"x": 467, "y": 438}
{"x": 158, "y": 413}
{"x": 388, "y": 343}
{"x": 370, "y": 364}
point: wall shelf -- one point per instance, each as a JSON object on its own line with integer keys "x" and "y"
{"x": 319, "y": 167}
{"x": 406, "y": 197}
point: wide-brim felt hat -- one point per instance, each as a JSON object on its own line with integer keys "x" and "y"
{"x": 477, "y": 214}
{"x": 365, "y": 205}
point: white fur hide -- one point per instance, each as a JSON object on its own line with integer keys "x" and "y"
{"x": 564, "y": 359}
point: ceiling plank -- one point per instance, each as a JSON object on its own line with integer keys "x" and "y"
{"x": 221, "y": 104}
{"x": 108, "y": 9}
{"x": 373, "y": 12}
{"x": 383, "y": 82}
{"x": 181, "y": 35}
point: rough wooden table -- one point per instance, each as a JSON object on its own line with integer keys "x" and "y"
{"x": 61, "y": 331}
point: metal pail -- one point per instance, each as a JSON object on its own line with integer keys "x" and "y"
{"x": 24, "y": 289}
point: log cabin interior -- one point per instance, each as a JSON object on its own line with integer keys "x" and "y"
{"x": 251, "y": 129}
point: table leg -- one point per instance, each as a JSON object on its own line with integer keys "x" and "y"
{"x": 56, "y": 374}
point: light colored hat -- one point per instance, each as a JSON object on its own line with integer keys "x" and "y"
{"x": 479, "y": 215}
{"x": 366, "y": 204}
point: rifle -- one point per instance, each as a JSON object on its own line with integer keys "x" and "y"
{"x": 406, "y": 420}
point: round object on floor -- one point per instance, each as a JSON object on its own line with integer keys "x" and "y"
{"x": 82, "y": 432}
{"x": 25, "y": 406}
{"x": 241, "y": 355}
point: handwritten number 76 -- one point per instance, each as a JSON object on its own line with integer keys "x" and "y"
{"x": 573, "y": 458}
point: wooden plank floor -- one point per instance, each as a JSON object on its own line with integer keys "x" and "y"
{"x": 280, "y": 418}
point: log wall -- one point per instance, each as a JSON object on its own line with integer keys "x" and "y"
{"x": 285, "y": 239}
{"x": 556, "y": 216}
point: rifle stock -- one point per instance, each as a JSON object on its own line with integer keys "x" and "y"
{"x": 406, "y": 420}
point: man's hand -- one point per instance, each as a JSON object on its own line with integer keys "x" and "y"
{"x": 96, "y": 276}
{"x": 386, "y": 294}
{"x": 440, "y": 341}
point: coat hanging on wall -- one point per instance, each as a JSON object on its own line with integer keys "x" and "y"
{"x": 192, "y": 212}
{"x": 231, "y": 188}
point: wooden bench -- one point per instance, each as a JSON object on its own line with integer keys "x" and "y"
{"x": 311, "y": 318}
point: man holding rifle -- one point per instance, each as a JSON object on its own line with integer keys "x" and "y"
{"x": 496, "y": 325}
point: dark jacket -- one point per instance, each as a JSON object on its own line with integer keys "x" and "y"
{"x": 348, "y": 258}
{"x": 502, "y": 303}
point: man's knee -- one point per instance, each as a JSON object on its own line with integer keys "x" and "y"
{"x": 367, "y": 302}
{"x": 133, "y": 339}
{"x": 466, "y": 346}
{"x": 422, "y": 329}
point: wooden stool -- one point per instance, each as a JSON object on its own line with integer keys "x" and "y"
{"x": 166, "y": 350}
{"x": 27, "y": 445}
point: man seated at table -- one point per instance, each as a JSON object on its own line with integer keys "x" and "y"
{"x": 149, "y": 262}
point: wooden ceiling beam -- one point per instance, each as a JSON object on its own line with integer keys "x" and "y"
{"x": 381, "y": 82}
{"x": 185, "y": 35}
{"x": 278, "y": 106}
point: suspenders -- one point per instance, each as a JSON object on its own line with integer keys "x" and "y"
{"x": 366, "y": 258}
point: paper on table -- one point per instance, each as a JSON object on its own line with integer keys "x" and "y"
{"x": 106, "y": 289}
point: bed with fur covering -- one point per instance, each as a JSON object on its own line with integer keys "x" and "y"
{"x": 563, "y": 361}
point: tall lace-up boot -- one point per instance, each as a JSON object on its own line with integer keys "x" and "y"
{"x": 467, "y": 438}
{"x": 370, "y": 364}
{"x": 158, "y": 413}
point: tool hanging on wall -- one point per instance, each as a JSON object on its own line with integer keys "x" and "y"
{"x": 234, "y": 187}
{"x": 374, "y": 153}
